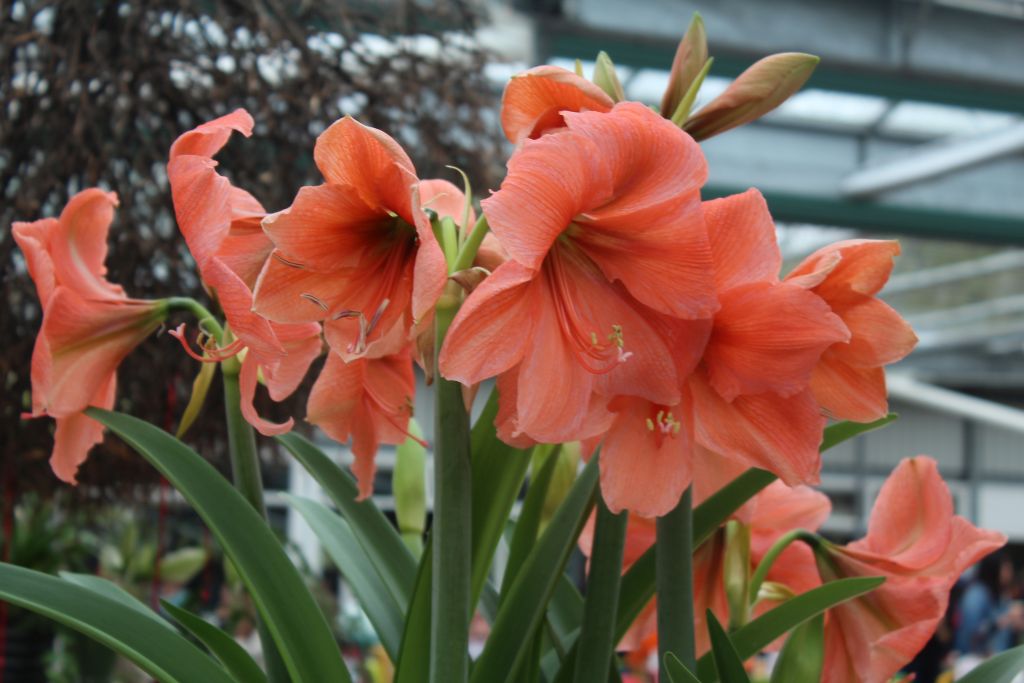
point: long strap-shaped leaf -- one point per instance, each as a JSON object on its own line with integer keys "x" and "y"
{"x": 677, "y": 672}
{"x": 341, "y": 545}
{"x": 154, "y": 648}
{"x": 412, "y": 665}
{"x": 763, "y": 631}
{"x": 523, "y": 608}
{"x": 111, "y": 590}
{"x": 728, "y": 662}
{"x": 498, "y": 472}
{"x": 299, "y": 627}
{"x": 232, "y": 655}
{"x": 1002, "y": 668}
{"x": 379, "y": 538}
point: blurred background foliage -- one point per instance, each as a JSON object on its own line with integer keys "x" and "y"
{"x": 94, "y": 93}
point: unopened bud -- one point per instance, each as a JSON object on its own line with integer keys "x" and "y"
{"x": 606, "y": 79}
{"x": 690, "y": 59}
{"x": 754, "y": 93}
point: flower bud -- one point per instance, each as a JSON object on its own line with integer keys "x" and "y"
{"x": 691, "y": 55}
{"x": 606, "y": 79}
{"x": 755, "y": 92}
{"x": 736, "y": 572}
{"x": 409, "y": 486}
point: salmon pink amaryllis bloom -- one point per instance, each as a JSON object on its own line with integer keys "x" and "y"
{"x": 221, "y": 225}
{"x": 745, "y": 392}
{"x": 89, "y": 324}
{"x": 602, "y": 224}
{"x": 921, "y": 548}
{"x": 849, "y": 382}
{"x": 358, "y": 251}
{"x": 369, "y": 400}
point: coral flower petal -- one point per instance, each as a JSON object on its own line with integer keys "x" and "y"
{"x": 910, "y": 523}
{"x": 368, "y": 160}
{"x": 534, "y": 101}
{"x": 879, "y": 335}
{"x": 778, "y": 434}
{"x": 79, "y": 245}
{"x": 743, "y": 241}
{"x": 287, "y": 293}
{"x": 493, "y": 329}
{"x": 368, "y": 400}
{"x": 77, "y": 433}
{"x": 209, "y": 138}
{"x": 329, "y": 227}
{"x": 769, "y": 337}
{"x": 34, "y": 241}
{"x": 557, "y": 177}
{"x": 643, "y": 470}
{"x": 87, "y": 339}
{"x": 864, "y": 268}
{"x": 302, "y": 345}
{"x": 236, "y": 300}
{"x": 248, "y": 378}
{"x": 849, "y": 393}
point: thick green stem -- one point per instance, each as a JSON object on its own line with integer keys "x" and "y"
{"x": 674, "y": 583}
{"x": 468, "y": 251}
{"x": 596, "y": 644}
{"x": 204, "y": 318}
{"x": 761, "y": 573}
{"x": 452, "y": 525}
{"x": 245, "y": 471}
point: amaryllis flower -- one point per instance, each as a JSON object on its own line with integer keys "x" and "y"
{"x": 849, "y": 382}
{"x": 369, "y": 400}
{"x": 601, "y": 223}
{"x": 358, "y": 251}
{"x": 221, "y": 225}
{"x": 916, "y": 542}
{"x": 89, "y": 324}
{"x": 534, "y": 100}
{"x": 744, "y": 383}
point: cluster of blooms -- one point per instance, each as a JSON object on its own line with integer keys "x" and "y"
{"x": 633, "y": 314}
{"x": 618, "y": 309}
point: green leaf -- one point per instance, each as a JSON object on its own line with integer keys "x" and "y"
{"x": 844, "y": 431}
{"x": 111, "y": 590}
{"x": 677, "y": 672}
{"x": 181, "y": 565}
{"x": 413, "y": 663}
{"x": 235, "y": 659}
{"x": 154, "y": 648}
{"x": 525, "y": 604}
{"x": 727, "y": 661}
{"x": 1002, "y": 668}
{"x": 762, "y": 631}
{"x": 525, "y": 535}
{"x": 372, "y": 529}
{"x": 498, "y": 472}
{"x": 803, "y": 656}
{"x": 299, "y": 627}
{"x": 596, "y": 643}
{"x": 341, "y": 545}
{"x": 409, "y": 487}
